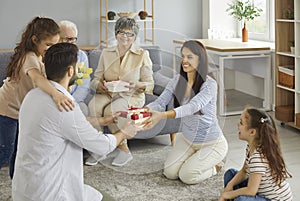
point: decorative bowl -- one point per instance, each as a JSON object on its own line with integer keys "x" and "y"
{"x": 128, "y": 14}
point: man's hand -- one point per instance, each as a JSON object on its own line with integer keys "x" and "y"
{"x": 94, "y": 121}
{"x": 103, "y": 121}
{"x": 130, "y": 129}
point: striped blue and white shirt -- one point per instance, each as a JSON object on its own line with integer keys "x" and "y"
{"x": 255, "y": 163}
{"x": 196, "y": 127}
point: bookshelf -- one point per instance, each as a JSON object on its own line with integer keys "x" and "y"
{"x": 104, "y": 21}
{"x": 287, "y": 62}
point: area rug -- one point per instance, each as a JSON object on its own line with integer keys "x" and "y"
{"x": 139, "y": 180}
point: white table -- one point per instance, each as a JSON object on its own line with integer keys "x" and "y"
{"x": 256, "y": 60}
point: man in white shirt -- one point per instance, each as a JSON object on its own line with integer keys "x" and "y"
{"x": 49, "y": 164}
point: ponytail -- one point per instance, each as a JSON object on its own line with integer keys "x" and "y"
{"x": 268, "y": 144}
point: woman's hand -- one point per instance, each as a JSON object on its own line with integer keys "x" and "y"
{"x": 139, "y": 87}
{"x": 154, "y": 119}
{"x": 62, "y": 101}
{"x": 101, "y": 88}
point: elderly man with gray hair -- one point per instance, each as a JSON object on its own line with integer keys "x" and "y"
{"x": 69, "y": 34}
{"x": 127, "y": 63}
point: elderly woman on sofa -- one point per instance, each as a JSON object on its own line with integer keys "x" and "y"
{"x": 123, "y": 62}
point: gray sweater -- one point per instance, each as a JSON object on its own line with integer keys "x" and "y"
{"x": 196, "y": 127}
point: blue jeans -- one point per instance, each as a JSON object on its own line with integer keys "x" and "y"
{"x": 8, "y": 142}
{"x": 229, "y": 174}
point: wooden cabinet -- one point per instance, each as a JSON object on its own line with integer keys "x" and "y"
{"x": 287, "y": 62}
{"x": 148, "y": 22}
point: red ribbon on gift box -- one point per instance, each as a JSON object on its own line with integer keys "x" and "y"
{"x": 135, "y": 115}
{"x": 140, "y": 115}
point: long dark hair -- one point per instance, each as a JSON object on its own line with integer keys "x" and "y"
{"x": 267, "y": 142}
{"x": 41, "y": 28}
{"x": 198, "y": 49}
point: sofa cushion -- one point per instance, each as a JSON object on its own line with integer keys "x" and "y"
{"x": 94, "y": 56}
{"x": 4, "y": 60}
{"x": 155, "y": 56}
{"x": 160, "y": 81}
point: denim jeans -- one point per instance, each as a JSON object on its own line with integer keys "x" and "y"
{"x": 8, "y": 138}
{"x": 229, "y": 174}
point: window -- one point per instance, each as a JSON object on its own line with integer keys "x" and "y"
{"x": 262, "y": 27}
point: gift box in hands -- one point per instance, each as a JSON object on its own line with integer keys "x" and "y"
{"x": 117, "y": 86}
{"x": 137, "y": 115}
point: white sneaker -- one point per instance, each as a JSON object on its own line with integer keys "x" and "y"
{"x": 91, "y": 160}
{"x": 122, "y": 158}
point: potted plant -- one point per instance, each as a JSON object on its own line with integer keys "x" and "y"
{"x": 111, "y": 15}
{"x": 143, "y": 14}
{"x": 243, "y": 10}
{"x": 292, "y": 43}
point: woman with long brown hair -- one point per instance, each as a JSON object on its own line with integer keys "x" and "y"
{"x": 199, "y": 151}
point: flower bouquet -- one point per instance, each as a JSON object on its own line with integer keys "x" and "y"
{"x": 83, "y": 73}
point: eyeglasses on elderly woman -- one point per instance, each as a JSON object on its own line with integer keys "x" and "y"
{"x": 124, "y": 33}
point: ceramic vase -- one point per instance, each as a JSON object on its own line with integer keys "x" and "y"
{"x": 292, "y": 50}
{"x": 244, "y": 33}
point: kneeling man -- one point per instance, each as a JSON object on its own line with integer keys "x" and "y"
{"x": 49, "y": 163}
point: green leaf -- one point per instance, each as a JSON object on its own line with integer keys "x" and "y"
{"x": 243, "y": 10}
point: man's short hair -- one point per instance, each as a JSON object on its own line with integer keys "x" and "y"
{"x": 58, "y": 58}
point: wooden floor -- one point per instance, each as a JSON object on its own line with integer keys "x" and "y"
{"x": 290, "y": 144}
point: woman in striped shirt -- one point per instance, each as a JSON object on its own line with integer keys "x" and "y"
{"x": 202, "y": 144}
{"x": 264, "y": 174}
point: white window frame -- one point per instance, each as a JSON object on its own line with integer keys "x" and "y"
{"x": 269, "y": 35}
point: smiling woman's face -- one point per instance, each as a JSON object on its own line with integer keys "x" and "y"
{"x": 125, "y": 37}
{"x": 189, "y": 61}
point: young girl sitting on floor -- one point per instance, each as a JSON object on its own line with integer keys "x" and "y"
{"x": 264, "y": 173}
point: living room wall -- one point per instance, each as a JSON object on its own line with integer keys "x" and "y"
{"x": 182, "y": 21}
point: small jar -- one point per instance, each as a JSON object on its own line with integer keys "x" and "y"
{"x": 288, "y": 13}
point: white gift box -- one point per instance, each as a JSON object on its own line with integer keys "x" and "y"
{"x": 117, "y": 86}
